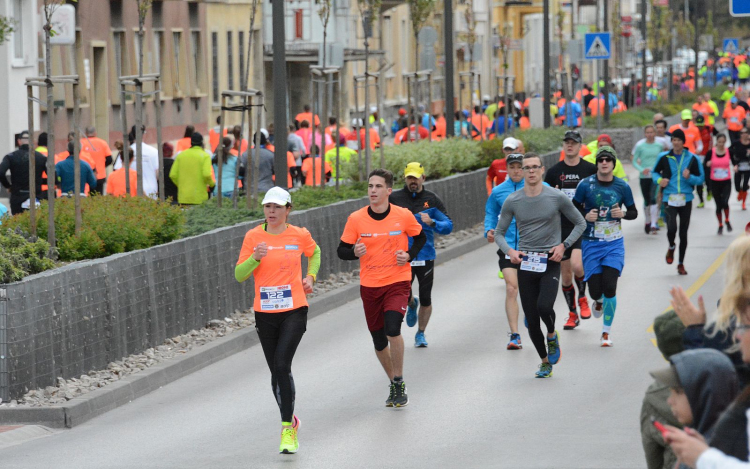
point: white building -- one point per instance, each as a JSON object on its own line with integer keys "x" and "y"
{"x": 17, "y": 62}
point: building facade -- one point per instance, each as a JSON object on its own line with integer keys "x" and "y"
{"x": 107, "y": 45}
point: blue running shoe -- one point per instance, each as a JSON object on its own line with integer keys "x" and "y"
{"x": 545, "y": 371}
{"x": 515, "y": 342}
{"x": 419, "y": 340}
{"x": 411, "y": 313}
{"x": 553, "y": 349}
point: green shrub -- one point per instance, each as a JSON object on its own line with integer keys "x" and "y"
{"x": 20, "y": 256}
{"x": 110, "y": 225}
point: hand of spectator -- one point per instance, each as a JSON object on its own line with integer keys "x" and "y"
{"x": 689, "y": 314}
{"x": 687, "y": 445}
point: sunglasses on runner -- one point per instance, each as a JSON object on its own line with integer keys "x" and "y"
{"x": 607, "y": 159}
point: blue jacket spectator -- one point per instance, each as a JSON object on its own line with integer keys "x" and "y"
{"x": 65, "y": 171}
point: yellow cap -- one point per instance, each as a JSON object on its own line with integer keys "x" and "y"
{"x": 414, "y": 169}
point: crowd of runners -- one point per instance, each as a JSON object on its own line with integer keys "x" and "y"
{"x": 556, "y": 227}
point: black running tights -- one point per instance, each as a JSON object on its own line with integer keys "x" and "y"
{"x": 721, "y": 191}
{"x": 280, "y": 334}
{"x": 684, "y": 214}
{"x": 741, "y": 181}
{"x": 604, "y": 283}
{"x": 538, "y": 291}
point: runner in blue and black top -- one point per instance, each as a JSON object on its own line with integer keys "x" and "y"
{"x": 600, "y": 198}
{"x": 432, "y": 215}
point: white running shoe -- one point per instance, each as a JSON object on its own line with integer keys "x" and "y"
{"x": 598, "y": 309}
{"x": 606, "y": 341}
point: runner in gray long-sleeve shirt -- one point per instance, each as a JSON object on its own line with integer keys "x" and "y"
{"x": 537, "y": 209}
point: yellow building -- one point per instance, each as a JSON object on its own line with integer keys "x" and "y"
{"x": 227, "y": 26}
{"x": 514, "y": 15}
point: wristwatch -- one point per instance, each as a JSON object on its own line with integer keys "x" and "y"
{"x": 566, "y": 244}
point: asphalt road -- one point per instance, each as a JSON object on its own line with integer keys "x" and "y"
{"x": 472, "y": 403}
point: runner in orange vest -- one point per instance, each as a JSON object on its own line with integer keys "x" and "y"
{"x": 307, "y": 116}
{"x": 184, "y": 143}
{"x": 693, "y": 141}
{"x": 100, "y": 152}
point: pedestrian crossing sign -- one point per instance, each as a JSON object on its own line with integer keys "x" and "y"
{"x": 597, "y": 46}
{"x": 731, "y": 45}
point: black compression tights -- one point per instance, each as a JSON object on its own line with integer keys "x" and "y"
{"x": 684, "y": 214}
{"x": 604, "y": 283}
{"x": 538, "y": 292}
{"x": 280, "y": 334}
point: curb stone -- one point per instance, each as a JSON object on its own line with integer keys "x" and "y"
{"x": 84, "y": 408}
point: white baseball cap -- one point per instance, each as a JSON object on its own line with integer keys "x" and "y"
{"x": 373, "y": 109}
{"x": 511, "y": 143}
{"x": 278, "y": 196}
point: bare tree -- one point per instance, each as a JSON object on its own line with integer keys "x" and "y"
{"x": 368, "y": 9}
{"x": 244, "y": 86}
{"x": 143, "y": 7}
{"x": 49, "y": 9}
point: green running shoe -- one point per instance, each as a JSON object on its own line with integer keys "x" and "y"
{"x": 289, "y": 442}
{"x": 553, "y": 349}
{"x": 545, "y": 371}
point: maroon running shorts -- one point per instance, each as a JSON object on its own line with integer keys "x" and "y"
{"x": 378, "y": 300}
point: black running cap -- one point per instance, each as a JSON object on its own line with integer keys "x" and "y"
{"x": 514, "y": 158}
{"x": 573, "y": 135}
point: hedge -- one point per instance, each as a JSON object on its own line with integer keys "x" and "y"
{"x": 110, "y": 225}
{"x": 22, "y": 255}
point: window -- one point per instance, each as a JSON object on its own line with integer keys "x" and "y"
{"x": 176, "y": 49}
{"x": 158, "y": 39}
{"x": 198, "y": 65}
{"x": 230, "y": 63}
{"x": 241, "y": 45}
{"x": 215, "y": 67}
{"x": 18, "y": 15}
{"x": 298, "y": 24}
{"x": 118, "y": 38}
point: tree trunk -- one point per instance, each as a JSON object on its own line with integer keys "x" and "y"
{"x": 50, "y": 136}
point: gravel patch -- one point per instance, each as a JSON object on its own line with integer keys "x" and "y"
{"x": 181, "y": 344}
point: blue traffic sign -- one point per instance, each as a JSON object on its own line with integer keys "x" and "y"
{"x": 597, "y": 46}
{"x": 732, "y": 45}
{"x": 739, "y": 7}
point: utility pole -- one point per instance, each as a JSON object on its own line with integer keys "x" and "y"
{"x": 279, "y": 95}
{"x": 448, "y": 37}
{"x": 606, "y": 63}
{"x": 546, "y": 67}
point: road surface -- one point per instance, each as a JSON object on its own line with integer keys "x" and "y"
{"x": 472, "y": 403}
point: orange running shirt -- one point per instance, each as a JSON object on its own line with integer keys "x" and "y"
{"x": 99, "y": 151}
{"x": 307, "y": 170}
{"x": 692, "y": 135}
{"x": 382, "y": 238}
{"x": 116, "y": 183}
{"x": 734, "y": 118}
{"x": 278, "y": 277}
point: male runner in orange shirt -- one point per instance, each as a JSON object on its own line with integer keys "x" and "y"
{"x": 378, "y": 235}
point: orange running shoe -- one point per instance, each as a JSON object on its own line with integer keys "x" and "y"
{"x": 572, "y": 323}
{"x": 583, "y": 303}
